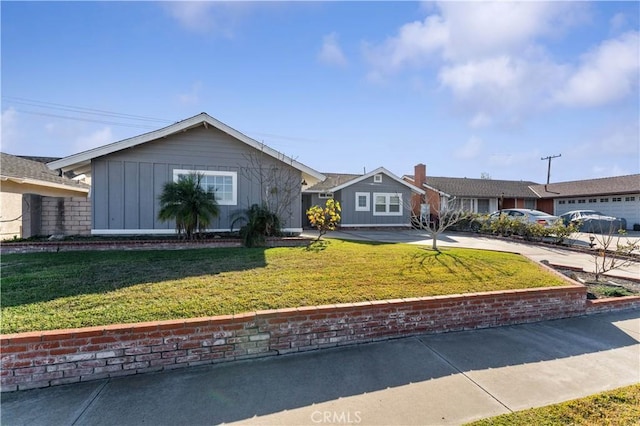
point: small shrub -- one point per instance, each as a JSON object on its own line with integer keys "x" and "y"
{"x": 613, "y": 291}
{"x": 259, "y": 223}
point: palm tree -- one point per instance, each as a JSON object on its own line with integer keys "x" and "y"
{"x": 188, "y": 203}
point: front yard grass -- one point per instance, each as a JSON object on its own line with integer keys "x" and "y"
{"x": 44, "y": 291}
{"x": 616, "y": 407}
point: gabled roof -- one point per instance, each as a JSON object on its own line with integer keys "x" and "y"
{"x": 489, "y": 188}
{"x": 83, "y": 159}
{"x": 336, "y": 181}
{"x": 629, "y": 184}
{"x": 24, "y": 171}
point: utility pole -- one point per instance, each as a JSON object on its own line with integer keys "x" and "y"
{"x": 549, "y": 168}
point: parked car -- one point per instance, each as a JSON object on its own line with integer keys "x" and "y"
{"x": 593, "y": 221}
{"x": 527, "y": 216}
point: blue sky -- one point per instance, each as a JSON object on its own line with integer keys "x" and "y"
{"x": 466, "y": 88}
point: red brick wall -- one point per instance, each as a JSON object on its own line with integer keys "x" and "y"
{"x": 40, "y": 359}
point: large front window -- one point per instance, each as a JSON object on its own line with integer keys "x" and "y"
{"x": 223, "y": 184}
{"x": 387, "y": 204}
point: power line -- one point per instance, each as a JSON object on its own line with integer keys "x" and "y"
{"x": 66, "y": 117}
{"x": 82, "y": 110}
{"x": 279, "y": 139}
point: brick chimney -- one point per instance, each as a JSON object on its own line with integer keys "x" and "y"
{"x": 419, "y": 178}
{"x": 419, "y": 175}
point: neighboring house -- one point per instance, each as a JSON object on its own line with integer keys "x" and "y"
{"x": 614, "y": 196}
{"x": 128, "y": 176}
{"x": 35, "y": 200}
{"x": 375, "y": 199}
{"x": 471, "y": 195}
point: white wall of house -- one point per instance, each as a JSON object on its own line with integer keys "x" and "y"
{"x": 10, "y": 215}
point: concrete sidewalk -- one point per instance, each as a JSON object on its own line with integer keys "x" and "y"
{"x": 427, "y": 380}
{"x": 537, "y": 252}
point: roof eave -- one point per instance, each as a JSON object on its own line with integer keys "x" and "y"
{"x": 84, "y": 157}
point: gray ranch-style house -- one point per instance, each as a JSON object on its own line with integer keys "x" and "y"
{"x": 375, "y": 199}
{"x": 127, "y": 177}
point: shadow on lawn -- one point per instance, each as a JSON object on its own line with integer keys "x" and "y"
{"x": 40, "y": 277}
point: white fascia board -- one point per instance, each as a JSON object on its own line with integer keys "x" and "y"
{"x": 375, "y": 172}
{"x": 46, "y": 184}
{"x": 181, "y": 126}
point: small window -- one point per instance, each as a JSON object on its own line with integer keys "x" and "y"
{"x": 377, "y": 178}
{"x": 562, "y": 202}
{"x": 572, "y": 201}
{"x": 616, "y": 199}
{"x": 604, "y": 200}
{"x": 582, "y": 201}
{"x": 325, "y": 195}
{"x": 362, "y": 202}
{"x": 593, "y": 200}
{"x": 629, "y": 198}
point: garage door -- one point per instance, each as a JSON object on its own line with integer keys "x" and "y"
{"x": 626, "y": 206}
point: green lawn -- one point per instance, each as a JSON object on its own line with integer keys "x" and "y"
{"x": 43, "y": 291}
{"x": 617, "y": 407}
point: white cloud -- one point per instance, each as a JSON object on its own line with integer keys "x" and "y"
{"x": 466, "y": 31}
{"x": 607, "y": 74}
{"x": 191, "y": 97}
{"x": 481, "y": 29}
{"x": 206, "y": 17}
{"x": 469, "y": 150}
{"x": 414, "y": 44}
{"x": 331, "y": 53}
{"x": 98, "y": 138}
{"x": 617, "y": 22}
{"x": 480, "y": 120}
{"x": 9, "y": 131}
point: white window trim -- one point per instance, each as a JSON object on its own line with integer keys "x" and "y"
{"x": 387, "y": 196}
{"x": 377, "y": 178}
{"x": 234, "y": 182}
{"x": 367, "y": 207}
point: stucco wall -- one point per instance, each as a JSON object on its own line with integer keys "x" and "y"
{"x": 10, "y": 215}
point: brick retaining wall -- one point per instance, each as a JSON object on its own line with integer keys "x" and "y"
{"x": 41, "y": 359}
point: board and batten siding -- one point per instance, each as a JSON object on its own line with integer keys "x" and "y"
{"x": 128, "y": 183}
{"x": 347, "y": 199}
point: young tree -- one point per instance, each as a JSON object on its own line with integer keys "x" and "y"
{"x": 325, "y": 219}
{"x": 189, "y": 204}
{"x": 445, "y": 214}
{"x": 279, "y": 183}
{"x": 612, "y": 253}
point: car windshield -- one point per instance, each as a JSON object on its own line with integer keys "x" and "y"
{"x": 591, "y": 213}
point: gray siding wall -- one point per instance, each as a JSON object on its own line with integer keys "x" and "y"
{"x": 347, "y": 199}
{"x": 127, "y": 184}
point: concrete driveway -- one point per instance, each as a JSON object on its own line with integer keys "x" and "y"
{"x": 555, "y": 255}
